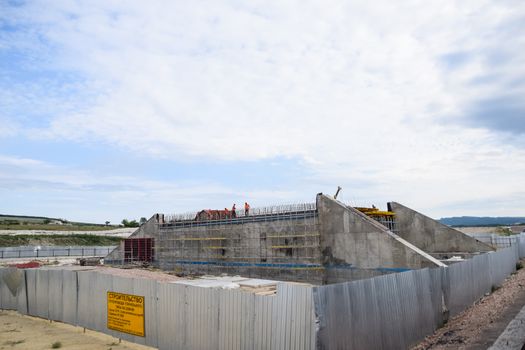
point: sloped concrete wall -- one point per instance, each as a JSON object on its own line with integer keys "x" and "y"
{"x": 148, "y": 230}
{"x": 348, "y": 237}
{"x": 432, "y": 236}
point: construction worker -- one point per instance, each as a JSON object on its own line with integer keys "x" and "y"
{"x": 226, "y": 213}
{"x": 234, "y": 213}
{"x": 246, "y": 209}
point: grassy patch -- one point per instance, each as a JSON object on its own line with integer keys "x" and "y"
{"x": 504, "y": 231}
{"x": 63, "y": 240}
{"x": 56, "y": 345}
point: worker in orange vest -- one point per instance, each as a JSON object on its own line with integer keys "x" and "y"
{"x": 246, "y": 209}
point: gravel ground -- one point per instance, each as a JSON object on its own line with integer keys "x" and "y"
{"x": 480, "y": 325}
{"x": 138, "y": 273}
{"x": 56, "y": 261}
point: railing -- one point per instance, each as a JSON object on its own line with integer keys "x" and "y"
{"x": 498, "y": 241}
{"x": 47, "y": 252}
{"x": 262, "y": 211}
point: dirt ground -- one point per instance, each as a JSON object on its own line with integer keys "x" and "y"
{"x": 481, "y": 324}
{"x": 18, "y": 332}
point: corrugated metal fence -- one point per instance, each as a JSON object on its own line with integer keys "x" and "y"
{"x": 177, "y": 316}
{"x": 396, "y": 311}
{"x": 387, "y": 312}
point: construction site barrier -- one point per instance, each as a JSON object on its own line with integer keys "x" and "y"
{"x": 387, "y": 312}
{"x": 176, "y": 316}
{"x": 53, "y": 251}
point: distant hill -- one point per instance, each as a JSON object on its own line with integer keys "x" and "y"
{"x": 21, "y": 218}
{"x": 482, "y": 221}
{"x": 7, "y": 219}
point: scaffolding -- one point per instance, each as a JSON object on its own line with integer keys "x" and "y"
{"x": 385, "y": 218}
{"x": 283, "y": 239}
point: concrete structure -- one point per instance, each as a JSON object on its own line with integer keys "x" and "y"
{"x": 439, "y": 240}
{"x": 355, "y": 246}
{"x": 319, "y": 243}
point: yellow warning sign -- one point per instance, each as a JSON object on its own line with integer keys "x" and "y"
{"x": 126, "y": 313}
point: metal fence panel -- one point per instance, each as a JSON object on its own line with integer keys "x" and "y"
{"x": 69, "y": 295}
{"x": 501, "y": 264}
{"x": 437, "y": 290}
{"x": 106, "y": 283}
{"x": 85, "y": 308}
{"x": 293, "y": 309}
{"x": 470, "y": 280}
{"x": 31, "y": 291}
{"x": 521, "y": 241}
{"x": 8, "y": 300}
{"x": 202, "y": 317}
{"x": 229, "y": 320}
{"x": 388, "y": 312}
{"x": 42, "y": 293}
{"x": 264, "y": 321}
{"x": 166, "y": 315}
{"x": 22, "y": 296}
{"x": 460, "y": 287}
{"x": 173, "y": 307}
{"x": 55, "y": 294}
{"x": 148, "y": 289}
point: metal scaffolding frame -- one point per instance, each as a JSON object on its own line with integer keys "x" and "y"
{"x": 284, "y": 238}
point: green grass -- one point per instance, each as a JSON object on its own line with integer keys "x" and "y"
{"x": 56, "y": 345}
{"x": 44, "y": 227}
{"x": 63, "y": 240}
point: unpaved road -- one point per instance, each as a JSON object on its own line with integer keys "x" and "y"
{"x": 479, "y": 326}
{"x": 18, "y": 332}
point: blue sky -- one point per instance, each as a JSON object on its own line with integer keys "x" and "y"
{"x": 113, "y": 110}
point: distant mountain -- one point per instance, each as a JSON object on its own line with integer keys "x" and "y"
{"x": 482, "y": 221}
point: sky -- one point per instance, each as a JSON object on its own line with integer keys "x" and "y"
{"x": 112, "y": 110}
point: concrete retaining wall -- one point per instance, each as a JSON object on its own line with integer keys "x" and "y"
{"x": 355, "y": 246}
{"x": 431, "y": 235}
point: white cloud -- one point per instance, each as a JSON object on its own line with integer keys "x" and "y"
{"x": 356, "y": 90}
{"x": 34, "y": 187}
